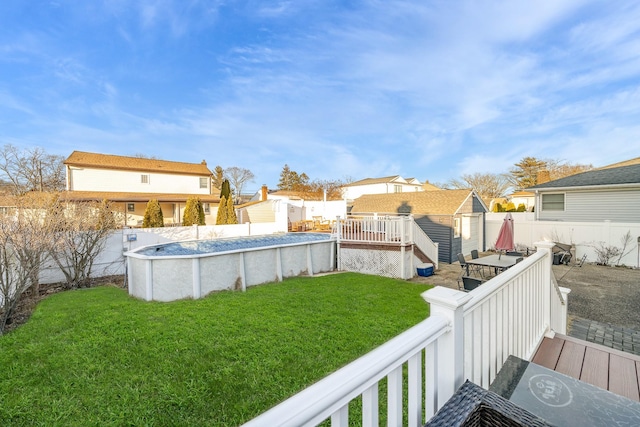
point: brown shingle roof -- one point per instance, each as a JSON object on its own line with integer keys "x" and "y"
{"x": 437, "y": 202}
{"x": 108, "y": 161}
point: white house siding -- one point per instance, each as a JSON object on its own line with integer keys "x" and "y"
{"x": 88, "y": 179}
{"x": 351, "y": 193}
{"x": 616, "y": 206}
{"x": 260, "y": 212}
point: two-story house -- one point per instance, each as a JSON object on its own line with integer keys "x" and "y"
{"x": 130, "y": 182}
{"x": 384, "y": 185}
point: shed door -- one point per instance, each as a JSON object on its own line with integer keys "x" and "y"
{"x": 469, "y": 233}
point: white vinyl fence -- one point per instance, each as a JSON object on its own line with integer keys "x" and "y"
{"x": 587, "y": 237}
{"x": 112, "y": 261}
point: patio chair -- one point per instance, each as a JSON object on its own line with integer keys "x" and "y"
{"x": 477, "y": 268}
{"x": 470, "y": 283}
{"x": 463, "y": 265}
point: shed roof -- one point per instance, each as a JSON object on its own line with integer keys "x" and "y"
{"x": 436, "y": 202}
{"x": 108, "y": 161}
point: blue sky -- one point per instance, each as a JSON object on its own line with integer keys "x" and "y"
{"x": 335, "y": 89}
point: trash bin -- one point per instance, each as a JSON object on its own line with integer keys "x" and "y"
{"x": 556, "y": 258}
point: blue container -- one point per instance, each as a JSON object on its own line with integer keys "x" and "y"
{"x": 425, "y": 270}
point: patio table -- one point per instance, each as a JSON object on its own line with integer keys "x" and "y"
{"x": 497, "y": 262}
{"x": 562, "y": 400}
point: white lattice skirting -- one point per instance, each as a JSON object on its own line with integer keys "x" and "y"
{"x": 387, "y": 263}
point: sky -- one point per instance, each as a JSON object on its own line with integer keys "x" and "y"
{"x": 342, "y": 90}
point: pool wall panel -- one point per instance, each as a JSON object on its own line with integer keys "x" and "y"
{"x": 322, "y": 256}
{"x": 294, "y": 260}
{"x": 260, "y": 266}
{"x": 219, "y": 273}
{"x": 172, "y": 280}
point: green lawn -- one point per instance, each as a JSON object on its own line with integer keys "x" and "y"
{"x": 100, "y": 357}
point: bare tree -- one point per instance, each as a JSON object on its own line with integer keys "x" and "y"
{"x": 238, "y": 177}
{"x": 31, "y": 170}
{"x": 24, "y": 239}
{"x": 81, "y": 231}
{"x": 560, "y": 169}
{"x": 487, "y": 185}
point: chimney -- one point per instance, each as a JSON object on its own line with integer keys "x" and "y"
{"x": 264, "y": 192}
{"x": 542, "y": 177}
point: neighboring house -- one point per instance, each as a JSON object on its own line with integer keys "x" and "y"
{"x": 610, "y": 193}
{"x": 385, "y": 185}
{"x": 130, "y": 182}
{"x": 452, "y": 218}
{"x": 299, "y": 209}
{"x": 258, "y": 212}
{"x": 526, "y": 198}
{"x": 494, "y": 202}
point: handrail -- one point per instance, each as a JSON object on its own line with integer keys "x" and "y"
{"x": 507, "y": 315}
{"x": 425, "y": 244}
{"x": 321, "y": 400}
{"x": 481, "y": 293}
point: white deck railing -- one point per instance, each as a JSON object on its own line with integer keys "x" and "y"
{"x": 467, "y": 336}
{"x": 424, "y": 243}
{"x": 387, "y": 229}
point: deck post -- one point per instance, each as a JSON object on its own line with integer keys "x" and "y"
{"x": 450, "y": 353}
{"x": 338, "y": 232}
{"x": 547, "y": 281}
{"x": 562, "y": 329}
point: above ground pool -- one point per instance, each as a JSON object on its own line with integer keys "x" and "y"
{"x": 198, "y": 247}
{"x": 193, "y": 269}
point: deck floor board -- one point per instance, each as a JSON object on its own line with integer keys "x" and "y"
{"x": 604, "y": 367}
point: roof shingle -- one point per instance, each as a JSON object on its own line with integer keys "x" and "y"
{"x": 108, "y": 161}
{"x": 607, "y": 176}
{"x": 436, "y": 202}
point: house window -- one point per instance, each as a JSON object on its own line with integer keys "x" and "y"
{"x": 553, "y": 202}
{"x": 131, "y": 207}
{"x": 206, "y": 208}
{"x": 144, "y": 178}
{"x": 203, "y": 182}
{"x": 397, "y": 188}
{"x": 4, "y": 210}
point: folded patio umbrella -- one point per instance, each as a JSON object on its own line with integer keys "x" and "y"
{"x": 505, "y": 236}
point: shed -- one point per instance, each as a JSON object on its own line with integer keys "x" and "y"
{"x": 452, "y": 218}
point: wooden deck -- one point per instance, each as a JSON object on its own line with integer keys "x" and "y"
{"x": 604, "y": 367}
